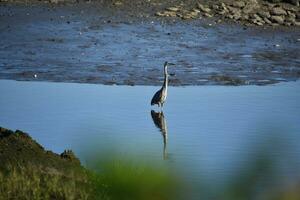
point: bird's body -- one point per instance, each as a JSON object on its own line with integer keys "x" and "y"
{"x": 160, "y": 96}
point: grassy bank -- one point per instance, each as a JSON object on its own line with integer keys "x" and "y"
{"x": 28, "y": 171}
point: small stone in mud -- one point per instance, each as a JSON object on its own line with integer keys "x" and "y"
{"x": 117, "y": 3}
{"x": 278, "y": 11}
{"x": 277, "y": 19}
{"x": 173, "y": 9}
{"x": 264, "y": 14}
{"x": 203, "y": 8}
{"x": 267, "y": 21}
{"x": 238, "y": 4}
{"x": 208, "y": 15}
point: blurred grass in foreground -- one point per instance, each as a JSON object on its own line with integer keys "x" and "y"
{"x": 128, "y": 179}
{"x": 117, "y": 180}
{"x": 27, "y": 171}
{"x": 120, "y": 179}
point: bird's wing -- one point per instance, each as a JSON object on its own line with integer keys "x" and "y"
{"x": 156, "y": 98}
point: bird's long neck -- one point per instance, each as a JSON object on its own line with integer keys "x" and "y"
{"x": 165, "y": 85}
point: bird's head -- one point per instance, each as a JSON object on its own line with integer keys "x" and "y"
{"x": 166, "y": 65}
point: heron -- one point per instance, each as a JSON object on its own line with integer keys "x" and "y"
{"x": 160, "y": 96}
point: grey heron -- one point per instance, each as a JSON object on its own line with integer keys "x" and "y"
{"x": 160, "y": 96}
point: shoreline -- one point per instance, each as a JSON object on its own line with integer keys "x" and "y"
{"x": 245, "y": 13}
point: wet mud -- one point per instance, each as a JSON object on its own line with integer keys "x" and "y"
{"x": 87, "y": 44}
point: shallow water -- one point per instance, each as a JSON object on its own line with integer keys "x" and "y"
{"x": 210, "y": 132}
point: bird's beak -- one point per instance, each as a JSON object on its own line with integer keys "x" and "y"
{"x": 171, "y": 64}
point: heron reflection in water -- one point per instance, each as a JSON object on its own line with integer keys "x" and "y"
{"x": 161, "y": 123}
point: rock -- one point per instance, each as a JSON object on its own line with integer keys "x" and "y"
{"x": 185, "y": 17}
{"x": 296, "y": 23}
{"x": 173, "y": 9}
{"x": 223, "y": 8}
{"x": 196, "y": 10}
{"x": 245, "y": 17}
{"x": 194, "y": 14}
{"x": 264, "y": 14}
{"x": 237, "y": 16}
{"x": 259, "y": 23}
{"x": 215, "y": 7}
{"x": 189, "y": 15}
{"x": 223, "y": 12}
{"x": 229, "y": 16}
{"x": 233, "y": 10}
{"x": 117, "y": 3}
{"x": 258, "y": 18}
{"x": 278, "y": 11}
{"x": 208, "y": 15}
{"x": 159, "y": 14}
{"x": 267, "y": 21}
{"x": 289, "y": 7}
{"x": 223, "y": 5}
{"x": 166, "y": 14}
{"x": 291, "y": 14}
{"x": 170, "y": 14}
{"x": 203, "y": 8}
{"x": 277, "y": 19}
{"x": 291, "y": 20}
{"x": 249, "y": 8}
{"x": 238, "y": 4}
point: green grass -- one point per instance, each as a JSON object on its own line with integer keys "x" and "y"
{"x": 117, "y": 180}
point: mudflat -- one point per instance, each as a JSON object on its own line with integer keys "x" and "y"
{"x": 127, "y": 42}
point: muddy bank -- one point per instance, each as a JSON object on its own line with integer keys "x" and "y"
{"x": 18, "y": 148}
{"x": 29, "y": 172}
{"x": 87, "y": 43}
